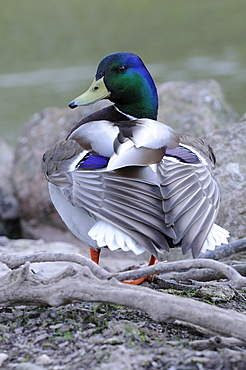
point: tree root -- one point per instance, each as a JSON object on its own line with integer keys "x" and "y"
{"x": 14, "y": 261}
{"x": 90, "y": 282}
{"x": 22, "y": 286}
{"x": 237, "y": 280}
{"x": 226, "y": 250}
{"x": 201, "y": 275}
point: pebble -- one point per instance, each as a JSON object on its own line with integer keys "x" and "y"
{"x": 88, "y": 333}
{"x": 28, "y": 366}
{"x": 18, "y": 330}
{"x": 3, "y": 357}
{"x": 114, "y": 340}
{"x": 44, "y": 360}
{"x": 41, "y": 337}
{"x": 56, "y": 326}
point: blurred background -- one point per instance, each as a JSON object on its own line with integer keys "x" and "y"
{"x": 49, "y": 50}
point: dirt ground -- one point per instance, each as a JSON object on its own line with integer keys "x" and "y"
{"x": 108, "y": 337}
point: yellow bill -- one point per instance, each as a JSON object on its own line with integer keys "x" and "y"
{"x": 97, "y": 91}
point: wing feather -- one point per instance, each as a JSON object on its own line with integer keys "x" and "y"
{"x": 200, "y": 230}
{"x": 191, "y": 198}
{"x": 176, "y": 202}
{"x": 132, "y": 205}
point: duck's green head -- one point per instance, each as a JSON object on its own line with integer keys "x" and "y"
{"x": 123, "y": 79}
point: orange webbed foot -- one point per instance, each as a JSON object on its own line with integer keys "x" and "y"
{"x": 140, "y": 280}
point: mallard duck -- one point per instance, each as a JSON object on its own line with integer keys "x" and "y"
{"x": 122, "y": 179}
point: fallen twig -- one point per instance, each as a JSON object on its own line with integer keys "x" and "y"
{"x": 162, "y": 283}
{"x": 237, "y": 292}
{"x": 216, "y": 342}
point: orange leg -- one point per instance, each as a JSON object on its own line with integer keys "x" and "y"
{"x": 140, "y": 280}
{"x": 95, "y": 254}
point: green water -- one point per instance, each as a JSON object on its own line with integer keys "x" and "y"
{"x": 49, "y": 49}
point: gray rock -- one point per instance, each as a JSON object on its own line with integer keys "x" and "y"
{"x": 194, "y": 107}
{"x": 44, "y": 129}
{"x": 9, "y": 208}
{"x": 230, "y": 151}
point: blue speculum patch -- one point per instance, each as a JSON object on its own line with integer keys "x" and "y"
{"x": 183, "y": 155}
{"x": 92, "y": 161}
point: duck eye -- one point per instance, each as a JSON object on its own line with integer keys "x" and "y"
{"x": 122, "y": 68}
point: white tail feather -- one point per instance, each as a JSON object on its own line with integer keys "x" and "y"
{"x": 107, "y": 235}
{"x": 216, "y": 237}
